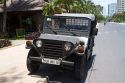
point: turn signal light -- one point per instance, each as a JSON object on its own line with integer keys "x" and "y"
{"x": 28, "y": 43}
{"x": 80, "y": 49}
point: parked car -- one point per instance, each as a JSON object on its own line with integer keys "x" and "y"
{"x": 67, "y": 40}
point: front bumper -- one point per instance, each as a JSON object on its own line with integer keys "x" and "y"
{"x": 62, "y": 62}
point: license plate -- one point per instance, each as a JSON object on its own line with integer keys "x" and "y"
{"x": 51, "y": 61}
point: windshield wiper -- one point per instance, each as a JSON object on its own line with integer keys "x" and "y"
{"x": 52, "y": 30}
{"x": 69, "y": 30}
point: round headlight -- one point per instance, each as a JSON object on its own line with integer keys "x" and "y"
{"x": 39, "y": 43}
{"x": 67, "y": 46}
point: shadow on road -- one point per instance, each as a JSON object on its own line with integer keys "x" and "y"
{"x": 62, "y": 75}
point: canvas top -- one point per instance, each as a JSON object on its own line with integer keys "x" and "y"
{"x": 90, "y": 16}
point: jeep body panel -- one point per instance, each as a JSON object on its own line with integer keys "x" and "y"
{"x": 73, "y": 39}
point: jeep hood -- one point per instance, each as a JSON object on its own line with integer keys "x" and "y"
{"x": 73, "y": 39}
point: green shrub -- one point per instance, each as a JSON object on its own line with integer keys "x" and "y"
{"x": 4, "y": 43}
{"x": 4, "y": 36}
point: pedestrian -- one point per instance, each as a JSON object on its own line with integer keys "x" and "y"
{"x": 104, "y": 23}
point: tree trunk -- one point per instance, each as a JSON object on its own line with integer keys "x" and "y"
{"x": 4, "y": 16}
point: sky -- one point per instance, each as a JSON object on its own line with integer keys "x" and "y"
{"x": 104, "y": 3}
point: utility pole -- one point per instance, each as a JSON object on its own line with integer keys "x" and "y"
{"x": 4, "y": 16}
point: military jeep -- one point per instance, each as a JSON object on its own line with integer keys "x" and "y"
{"x": 66, "y": 40}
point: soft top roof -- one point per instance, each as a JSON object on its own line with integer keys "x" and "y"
{"x": 90, "y": 16}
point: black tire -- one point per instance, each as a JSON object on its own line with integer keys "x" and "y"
{"x": 32, "y": 66}
{"x": 90, "y": 56}
{"x": 79, "y": 67}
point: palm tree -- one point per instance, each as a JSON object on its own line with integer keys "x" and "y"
{"x": 48, "y": 9}
{"x": 100, "y": 8}
{"x": 67, "y": 4}
{"x": 119, "y": 17}
{"x": 58, "y": 6}
{"x": 72, "y": 6}
{"x": 51, "y": 8}
{"x": 76, "y": 7}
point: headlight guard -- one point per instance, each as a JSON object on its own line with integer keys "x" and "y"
{"x": 80, "y": 48}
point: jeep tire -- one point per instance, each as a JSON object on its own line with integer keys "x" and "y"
{"x": 79, "y": 67}
{"x": 90, "y": 54}
{"x": 32, "y": 66}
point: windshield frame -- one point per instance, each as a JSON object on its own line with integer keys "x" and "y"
{"x": 67, "y": 17}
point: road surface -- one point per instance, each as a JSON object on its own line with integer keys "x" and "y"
{"x": 109, "y": 65}
{"x": 106, "y": 66}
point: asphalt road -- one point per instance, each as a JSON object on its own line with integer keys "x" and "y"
{"x": 109, "y": 65}
{"x": 106, "y": 66}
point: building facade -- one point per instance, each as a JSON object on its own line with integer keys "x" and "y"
{"x": 112, "y": 9}
{"x": 25, "y": 15}
{"x": 121, "y": 6}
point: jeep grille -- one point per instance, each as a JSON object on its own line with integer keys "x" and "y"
{"x": 53, "y": 49}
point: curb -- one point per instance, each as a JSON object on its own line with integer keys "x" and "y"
{"x": 9, "y": 47}
{"x": 122, "y": 23}
{"x": 14, "y": 43}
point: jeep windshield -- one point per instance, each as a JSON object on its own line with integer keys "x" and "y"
{"x": 76, "y": 26}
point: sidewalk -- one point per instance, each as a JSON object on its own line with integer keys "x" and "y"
{"x": 118, "y": 23}
{"x": 13, "y": 65}
{"x": 14, "y": 43}
{"x": 17, "y": 42}
{"x": 122, "y": 23}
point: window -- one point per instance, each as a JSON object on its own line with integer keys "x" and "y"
{"x": 76, "y": 21}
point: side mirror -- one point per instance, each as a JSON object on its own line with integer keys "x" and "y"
{"x": 95, "y": 31}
